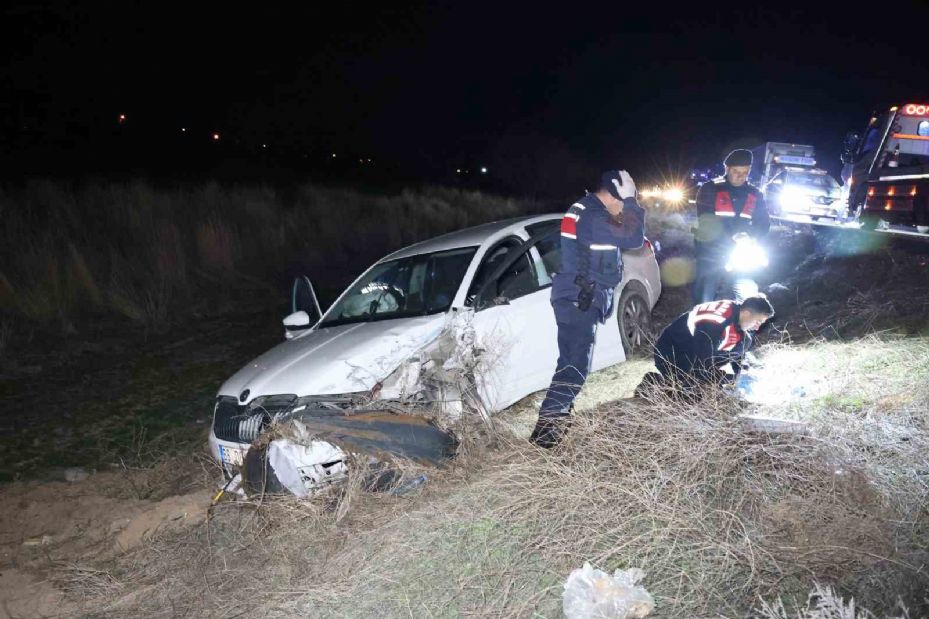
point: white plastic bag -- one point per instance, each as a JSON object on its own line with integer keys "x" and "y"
{"x": 590, "y": 594}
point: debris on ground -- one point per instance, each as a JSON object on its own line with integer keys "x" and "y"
{"x": 590, "y": 593}
{"x": 312, "y": 450}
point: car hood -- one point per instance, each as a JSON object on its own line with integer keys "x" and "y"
{"x": 336, "y": 360}
{"x": 815, "y": 192}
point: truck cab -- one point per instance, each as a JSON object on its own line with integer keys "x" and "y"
{"x": 886, "y": 169}
{"x": 773, "y": 158}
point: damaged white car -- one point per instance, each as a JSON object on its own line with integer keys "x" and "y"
{"x": 460, "y": 324}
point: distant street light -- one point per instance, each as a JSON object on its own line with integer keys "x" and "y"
{"x": 122, "y": 118}
{"x": 183, "y": 129}
{"x": 458, "y": 171}
{"x": 333, "y": 155}
{"x": 483, "y": 170}
{"x": 216, "y": 137}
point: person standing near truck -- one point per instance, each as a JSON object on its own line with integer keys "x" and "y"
{"x": 727, "y": 208}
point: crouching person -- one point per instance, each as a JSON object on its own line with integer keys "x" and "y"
{"x": 694, "y": 351}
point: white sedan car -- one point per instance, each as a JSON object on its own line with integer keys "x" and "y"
{"x": 462, "y": 322}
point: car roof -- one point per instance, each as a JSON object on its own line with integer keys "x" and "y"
{"x": 470, "y": 237}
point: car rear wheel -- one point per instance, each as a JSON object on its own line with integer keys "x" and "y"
{"x": 635, "y": 322}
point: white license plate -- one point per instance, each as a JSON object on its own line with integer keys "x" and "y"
{"x": 232, "y": 456}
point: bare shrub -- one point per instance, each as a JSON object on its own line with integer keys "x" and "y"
{"x": 8, "y": 302}
{"x": 81, "y": 277}
{"x": 136, "y": 296}
{"x": 50, "y": 294}
{"x": 823, "y": 603}
{"x": 218, "y": 246}
{"x": 6, "y": 334}
{"x": 170, "y": 257}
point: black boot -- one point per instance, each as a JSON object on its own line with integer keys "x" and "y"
{"x": 549, "y": 432}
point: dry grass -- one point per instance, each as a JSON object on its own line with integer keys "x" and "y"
{"x": 719, "y": 518}
{"x": 6, "y": 333}
{"x": 73, "y": 253}
{"x": 824, "y": 603}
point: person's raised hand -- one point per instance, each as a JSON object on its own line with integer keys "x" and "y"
{"x": 625, "y": 185}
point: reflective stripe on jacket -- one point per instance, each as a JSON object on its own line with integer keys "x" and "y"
{"x": 704, "y": 339}
{"x": 722, "y": 212}
{"x": 591, "y": 245}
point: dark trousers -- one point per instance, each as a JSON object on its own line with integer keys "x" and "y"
{"x": 709, "y": 274}
{"x": 679, "y": 375}
{"x": 673, "y": 371}
{"x": 576, "y": 333}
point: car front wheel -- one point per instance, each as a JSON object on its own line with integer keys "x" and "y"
{"x": 635, "y": 322}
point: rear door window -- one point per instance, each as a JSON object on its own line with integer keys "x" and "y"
{"x": 518, "y": 279}
{"x": 548, "y": 249}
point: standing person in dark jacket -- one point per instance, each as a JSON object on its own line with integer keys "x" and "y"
{"x": 692, "y": 350}
{"x": 593, "y": 232}
{"x": 726, "y": 208}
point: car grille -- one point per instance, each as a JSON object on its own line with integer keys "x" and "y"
{"x": 243, "y": 424}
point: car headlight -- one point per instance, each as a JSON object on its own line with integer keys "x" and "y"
{"x": 793, "y": 198}
{"x": 674, "y": 195}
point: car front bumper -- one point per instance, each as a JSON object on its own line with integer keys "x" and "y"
{"x": 228, "y": 454}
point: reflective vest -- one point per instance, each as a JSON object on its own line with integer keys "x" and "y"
{"x": 724, "y": 206}
{"x": 705, "y": 338}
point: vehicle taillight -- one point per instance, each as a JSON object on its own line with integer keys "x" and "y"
{"x": 915, "y": 109}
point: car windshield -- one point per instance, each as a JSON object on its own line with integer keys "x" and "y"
{"x": 414, "y": 286}
{"x": 907, "y": 146}
{"x": 813, "y": 181}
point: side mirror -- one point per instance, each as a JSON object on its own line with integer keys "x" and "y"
{"x": 303, "y": 297}
{"x": 295, "y": 323}
{"x": 852, "y": 140}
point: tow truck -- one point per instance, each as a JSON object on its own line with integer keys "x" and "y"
{"x": 886, "y": 171}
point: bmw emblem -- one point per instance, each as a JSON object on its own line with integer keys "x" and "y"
{"x": 244, "y": 395}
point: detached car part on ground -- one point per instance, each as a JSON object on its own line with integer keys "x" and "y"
{"x": 444, "y": 332}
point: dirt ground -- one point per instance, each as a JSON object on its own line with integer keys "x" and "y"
{"x": 120, "y": 468}
{"x": 46, "y": 525}
{"x": 103, "y": 444}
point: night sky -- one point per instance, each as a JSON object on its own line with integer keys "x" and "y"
{"x": 429, "y": 88}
